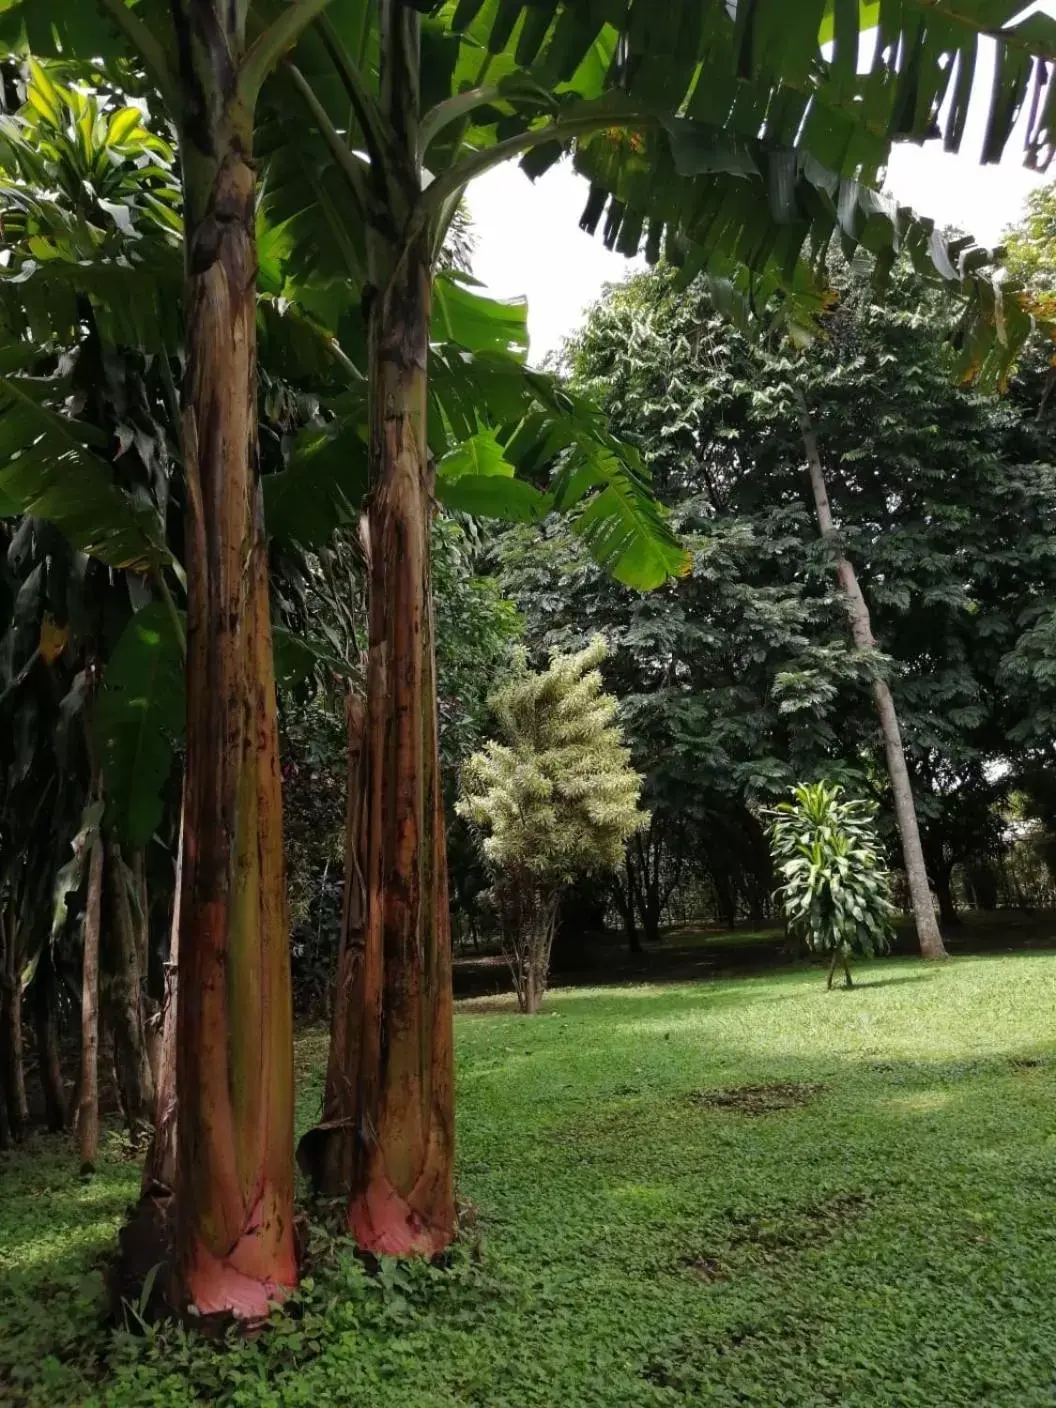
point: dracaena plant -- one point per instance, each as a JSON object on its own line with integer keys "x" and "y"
{"x": 836, "y": 891}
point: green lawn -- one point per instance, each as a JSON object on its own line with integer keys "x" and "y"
{"x": 875, "y": 1226}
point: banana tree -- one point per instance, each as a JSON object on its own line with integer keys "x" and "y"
{"x": 234, "y": 1064}
{"x": 730, "y": 139}
{"x": 727, "y": 139}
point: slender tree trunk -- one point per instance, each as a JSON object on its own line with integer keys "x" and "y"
{"x": 234, "y": 1047}
{"x": 159, "y": 1171}
{"x": 402, "y": 1193}
{"x": 12, "y": 1069}
{"x": 931, "y": 945}
{"x": 542, "y": 919}
{"x": 944, "y": 892}
{"x": 401, "y": 1136}
{"x": 88, "y": 1104}
{"x": 625, "y": 901}
{"x": 14, "y": 1078}
{"x": 46, "y": 1027}
{"x": 832, "y": 970}
{"x": 135, "y": 1081}
{"x": 327, "y": 1153}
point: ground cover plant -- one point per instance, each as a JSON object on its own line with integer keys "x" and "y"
{"x": 725, "y": 1193}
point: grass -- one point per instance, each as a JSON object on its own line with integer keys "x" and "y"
{"x": 870, "y": 1222}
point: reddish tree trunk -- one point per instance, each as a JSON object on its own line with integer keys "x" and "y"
{"x": 387, "y": 1133}
{"x": 234, "y": 1046}
{"x": 402, "y": 1190}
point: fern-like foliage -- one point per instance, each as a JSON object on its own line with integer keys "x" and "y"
{"x": 555, "y": 799}
{"x": 558, "y": 796}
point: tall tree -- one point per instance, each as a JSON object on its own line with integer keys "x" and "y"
{"x": 928, "y": 936}
{"x": 945, "y": 501}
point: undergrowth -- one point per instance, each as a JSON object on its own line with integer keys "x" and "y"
{"x": 746, "y": 1192}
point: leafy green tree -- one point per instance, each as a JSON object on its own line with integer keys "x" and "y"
{"x": 1030, "y": 246}
{"x": 555, "y": 799}
{"x": 944, "y": 503}
{"x": 835, "y": 890}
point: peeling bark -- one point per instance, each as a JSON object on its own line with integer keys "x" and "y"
{"x": 928, "y": 935}
{"x": 402, "y": 1190}
{"x": 234, "y": 1021}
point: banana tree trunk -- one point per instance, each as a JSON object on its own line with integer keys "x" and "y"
{"x": 46, "y": 1027}
{"x": 402, "y": 1190}
{"x": 389, "y": 1127}
{"x": 234, "y": 1061}
{"x": 135, "y": 1080}
{"x": 12, "y": 1069}
{"x": 88, "y": 1103}
{"x": 928, "y": 935}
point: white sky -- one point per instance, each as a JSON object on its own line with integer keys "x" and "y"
{"x": 529, "y": 242}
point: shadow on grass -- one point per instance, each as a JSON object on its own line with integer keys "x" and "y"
{"x": 929, "y": 975}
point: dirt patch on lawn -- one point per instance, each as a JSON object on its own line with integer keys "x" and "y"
{"x": 1026, "y": 1063}
{"x": 775, "y": 1233}
{"x": 758, "y": 1099}
{"x": 709, "y": 1268}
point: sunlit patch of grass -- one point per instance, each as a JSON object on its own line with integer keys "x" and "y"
{"x": 657, "y": 1218}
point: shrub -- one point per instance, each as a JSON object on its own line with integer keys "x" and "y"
{"x": 555, "y": 799}
{"x": 836, "y": 890}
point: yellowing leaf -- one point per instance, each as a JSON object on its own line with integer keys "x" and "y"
{"x": 53, "y": 638}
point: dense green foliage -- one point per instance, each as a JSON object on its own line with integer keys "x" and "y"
{"x": 741, "y": 679}
{"x": 835, "y": 890}
{"x": 653, "y": 1221}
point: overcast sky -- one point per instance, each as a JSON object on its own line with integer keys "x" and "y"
{"x": 529, "y": 242}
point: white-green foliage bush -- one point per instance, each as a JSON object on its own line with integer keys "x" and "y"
{"x": 554, "y": 798}
{"x": 836, "y": 889}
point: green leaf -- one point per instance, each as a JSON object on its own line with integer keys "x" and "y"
{"x": 322, "y": 487}
{"x": 47, "y": 470}
{"x": 494, "y": 496}
{"x": 479, "y": 455}
{"x": 138, "y": 718}
{"x": 475, "y": 322}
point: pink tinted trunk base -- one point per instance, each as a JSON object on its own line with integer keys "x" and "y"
{"x": 240, "y": 1283}
{"x": 383, "y": 1222}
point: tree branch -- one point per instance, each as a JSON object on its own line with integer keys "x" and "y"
{"x": 151, "y": 50}
{"x": 457, "y": 177}
{"x": 271, "y": 46}
{"x": 352, "y": 168}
